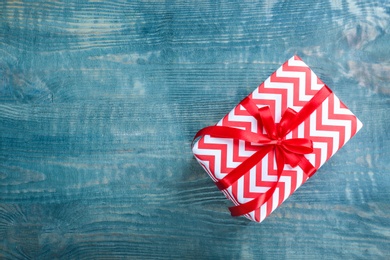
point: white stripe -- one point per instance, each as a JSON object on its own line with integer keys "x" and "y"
{"x": 263, "y": 212}
{"x": 346, "y": 123}
{"x": 298, "y": 63}
{"x": 324, "y": 151}
{"x": 302, "y": 85}
{"x": 240, "y": 191}
{"x": 299, "y": 178}
{"x": 264, "y": 171}
{"x": 301, "y": 130}
{"x": 229, "y": 150}
{"x": 276, "y": 97}
{"x": 287, "y": 185}
{"x": 217, "y": 154}
{"x": 217, "y": 158}
{"x": 320, "y": 133}
{"x": 289, "y": 86}
{"x": 241, "y": 150}
{"x": 252, "y": 187}
{"x": 275, "y": 199}
{"x": 314, "y": 84}
{"x": 331, "y": 122}
{"x": 277, "y": 85}
{"x": 247, "y": 119}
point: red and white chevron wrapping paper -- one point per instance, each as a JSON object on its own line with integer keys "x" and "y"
{"x": 330, "y": 126}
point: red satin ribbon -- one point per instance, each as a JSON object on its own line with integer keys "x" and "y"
{"x": 290, "y": 151}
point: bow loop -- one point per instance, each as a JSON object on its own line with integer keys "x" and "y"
{"x": 268, "y": 122}
{"x": 298, "y": 145}
{"x": 290, "y": 158}
{"x": 285, "y": 122}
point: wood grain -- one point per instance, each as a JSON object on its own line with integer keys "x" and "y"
{"x": 99, "y": 102}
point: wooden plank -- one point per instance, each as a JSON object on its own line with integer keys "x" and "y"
{"x": 99, "y": 103}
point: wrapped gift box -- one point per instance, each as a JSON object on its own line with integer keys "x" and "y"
{"x": 258, "y": 163}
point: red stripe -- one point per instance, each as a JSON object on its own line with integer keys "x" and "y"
{"x": 236, "y": 156}
{"x": 316, "y": 139}
{"x": 308, "y": 87}
{"x": 238, "y": 124}
{"x": 330, "y": 128}
{"x": 217, "y": 147}
{"x": 257, "y": 215}
{"x": 281, "y": 92}
{"x": 344, "y": 117}
{"x": 211, "y": 160}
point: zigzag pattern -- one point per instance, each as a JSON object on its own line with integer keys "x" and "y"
{"x": 329, "y": 127}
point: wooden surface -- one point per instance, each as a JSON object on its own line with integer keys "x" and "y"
{"x": 99, "y": 102}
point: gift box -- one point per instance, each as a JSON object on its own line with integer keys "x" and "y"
{"x": 274, "y": 140}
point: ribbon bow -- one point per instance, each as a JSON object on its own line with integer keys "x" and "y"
{"x": 287, "y": 151}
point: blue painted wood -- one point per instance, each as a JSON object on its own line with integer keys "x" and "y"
{"x": 99, "y": 102}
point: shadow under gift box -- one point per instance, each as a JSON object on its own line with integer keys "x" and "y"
{"x": 259, "y": 189}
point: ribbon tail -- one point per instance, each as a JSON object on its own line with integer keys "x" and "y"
{"x": 307, "y": 167}
{"x": 280, "y": 160}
